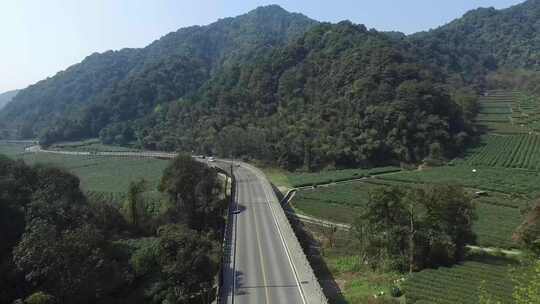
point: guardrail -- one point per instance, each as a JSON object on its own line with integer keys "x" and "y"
{"x": 308, "y": 280}
{"x": 226, "y": 245}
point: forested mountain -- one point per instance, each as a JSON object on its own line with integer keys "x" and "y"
{"x": 339, "y": 96}
{"x": 7, "y": 97}
{"x": 485, "y": 40}
{"x": 127, "y": 84}
{"x": 284, "y": 88}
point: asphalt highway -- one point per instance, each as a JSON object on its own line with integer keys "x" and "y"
{"x": 260, "y": 269}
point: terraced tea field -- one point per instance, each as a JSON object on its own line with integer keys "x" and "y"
{"x": 513, "y": 151}
{"x": 503, "y": 180}
{"x": 339, "y": 203}
{"x": 509, "y": 112}
{"x": 498, "y": 214}
{"x": 526, "y": 112}
{"x": 461, "y": 283}
{"x": 495, "y": 110}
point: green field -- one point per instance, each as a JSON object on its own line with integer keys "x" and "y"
{"x": 487, "y": 178}
{"x": 341, "y": 265}
{"x": 495, "y": 112}
{"x": 12, "y": 150}
{"x": 495, "y": 225}
{"x": 498, "y": 214}
{"x": 89, "y": 145}
{"x": 103, "y": 178}
{"x": 296, "y": 180}
{"x": 526, "y": 112}
{"x": 461, "y": 283}
{"x": 509, "y": 112}
{"x": 513, "y": 151}
{"x": 358, "y": 284}
{"x": 104, "y": 174}
{"x": 340, "y": 203}
{"x": 325, "y": 177}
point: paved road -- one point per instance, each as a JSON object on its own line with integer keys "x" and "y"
{"x": 261, "y": 270}
{"x": 266, "y": 264}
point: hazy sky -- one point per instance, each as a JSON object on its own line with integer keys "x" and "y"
{"x": 41, "y": 37}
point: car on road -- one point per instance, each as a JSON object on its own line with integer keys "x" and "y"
{"x": 211, "y": 159}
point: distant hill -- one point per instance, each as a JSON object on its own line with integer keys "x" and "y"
{"x": 293, "y": 91}
{"x": 484, "y": 40}
{"x": 127, "y": 84}
{"x": 7, "y": 97}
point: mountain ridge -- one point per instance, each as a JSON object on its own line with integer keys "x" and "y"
{"x": 99, "y": 74}
{"x": 6, "y": 97}
{"x": 241, "y": 74}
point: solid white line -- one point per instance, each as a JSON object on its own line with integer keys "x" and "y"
{"x": 235, "y": 223}
{"x": 282, "y": 239}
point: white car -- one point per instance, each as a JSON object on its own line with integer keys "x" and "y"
{"x": 211, "y": 159}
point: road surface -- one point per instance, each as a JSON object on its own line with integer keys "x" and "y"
{"x": 261, "y": 269}
{"x": 266, "y": 264}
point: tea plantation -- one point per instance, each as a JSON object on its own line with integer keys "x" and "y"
{"x": 461, "y": 283}
{"x": 513, "y": 151}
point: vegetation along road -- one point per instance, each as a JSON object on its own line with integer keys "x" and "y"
{"x": 266, "y": 263}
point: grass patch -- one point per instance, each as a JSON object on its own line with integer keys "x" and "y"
{"x": 277, "y": 176}
{"x": 342, "y": 266}
{"x": 12, "y": 150}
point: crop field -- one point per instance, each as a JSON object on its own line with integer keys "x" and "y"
{"x": 526, "y": 112}
{"x": 498, "y": 214}
{"x": 325, "y": 177}
{"x": 495, "y": 110}
{"x": 512, "y": 151}
{"x": 103, "y": 179}
{"x": 101, "y": 174}
{"x": 12, "y": 150}
{"x": 509, "y": 112}
{"x": 89, "y": 145}
{"x": 339, "y": 203}
{"x": 461, "y": 284}
{"x": 502, "y": 180}
{"x": 495, "y": 225}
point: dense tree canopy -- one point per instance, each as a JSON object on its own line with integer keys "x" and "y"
{"x": 416, "y": 228}
{"x": 117, "y": 86}
{"x": 283, "y": 88}
{"x": 484, "y": 40}
{"x": 57, "y": 247}
{"x": 340, "y": 96}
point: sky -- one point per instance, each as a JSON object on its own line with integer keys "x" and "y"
{"x": 40, "y": 38}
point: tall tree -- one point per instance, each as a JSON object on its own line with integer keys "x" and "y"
{"x": 195, "y": 190}
{"x": 189, "y": 262}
